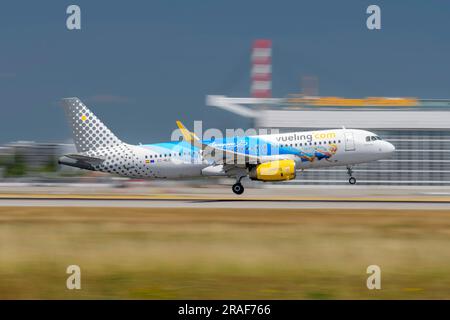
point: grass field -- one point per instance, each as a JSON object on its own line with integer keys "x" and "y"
{"x": 222, "y": 253}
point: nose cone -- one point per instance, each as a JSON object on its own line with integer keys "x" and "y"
{"x": 389, "y": 148}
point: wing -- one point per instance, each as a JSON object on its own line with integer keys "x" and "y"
{"x": 228, "y": 158}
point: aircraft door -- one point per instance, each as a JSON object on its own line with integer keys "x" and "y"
{"x": 349, "y": 141}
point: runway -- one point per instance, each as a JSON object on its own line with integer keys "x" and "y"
{"x": 236, "y": 203}
{"x": 275, "y": 197}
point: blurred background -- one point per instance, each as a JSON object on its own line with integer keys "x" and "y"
{"x": 292, "y": 65}
{"x": 286, "y": 65}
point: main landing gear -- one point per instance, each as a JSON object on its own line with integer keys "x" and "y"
{"x": 238, "y": 188}
{"x": 352, "y": 180}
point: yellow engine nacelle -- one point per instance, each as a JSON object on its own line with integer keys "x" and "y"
{"x": 274, "y": 171}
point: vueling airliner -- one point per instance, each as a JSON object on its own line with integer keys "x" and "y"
{"x": 273, "y": 157}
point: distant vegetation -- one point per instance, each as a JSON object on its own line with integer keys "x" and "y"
{"x": 50, "y": 166}
{"x": 15, "y": 166}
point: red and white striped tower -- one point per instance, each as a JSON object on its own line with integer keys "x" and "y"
{"x": 261, "y": 69}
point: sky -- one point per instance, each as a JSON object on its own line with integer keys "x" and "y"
{"x": 141, "y": 65}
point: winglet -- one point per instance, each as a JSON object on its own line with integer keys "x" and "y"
{"x": 187, "y": 135}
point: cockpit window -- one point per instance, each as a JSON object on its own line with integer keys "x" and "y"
{"x": 372, "y": 138}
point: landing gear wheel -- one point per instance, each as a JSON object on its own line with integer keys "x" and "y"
{"x": 352, "y": 180}
{"x": 238, "y": 188}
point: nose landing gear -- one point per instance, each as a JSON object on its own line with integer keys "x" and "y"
{"x": 352, "y": 180}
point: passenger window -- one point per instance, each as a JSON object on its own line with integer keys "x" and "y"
{"x": 368, "y": 138}
{"x": 374, "y": 138}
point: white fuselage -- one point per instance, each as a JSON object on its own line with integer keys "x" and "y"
{"x": 309, "y": 149}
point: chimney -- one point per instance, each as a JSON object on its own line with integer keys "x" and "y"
{"x": 261, "y": 73}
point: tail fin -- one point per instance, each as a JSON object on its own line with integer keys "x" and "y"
{"x": 89, "y": 133}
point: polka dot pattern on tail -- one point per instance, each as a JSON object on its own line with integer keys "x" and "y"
{"x": 89, "y": 133}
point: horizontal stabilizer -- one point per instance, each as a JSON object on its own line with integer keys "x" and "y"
{"x": 83, "y": 158}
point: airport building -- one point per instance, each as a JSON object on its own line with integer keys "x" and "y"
{"x": 419, "y": 128}
{"x": 420, "y": 133}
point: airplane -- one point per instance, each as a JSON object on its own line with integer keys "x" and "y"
{"x": 271, "y": 157}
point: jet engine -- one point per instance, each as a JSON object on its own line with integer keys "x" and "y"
{"x": 278, "y": 170}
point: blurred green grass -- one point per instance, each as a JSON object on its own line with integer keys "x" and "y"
{"x": 223, "y": 253}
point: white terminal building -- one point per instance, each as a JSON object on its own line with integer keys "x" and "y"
{"x": 419, "y": 128}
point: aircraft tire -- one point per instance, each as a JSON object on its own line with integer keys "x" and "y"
{"x": 238, "y": 188}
